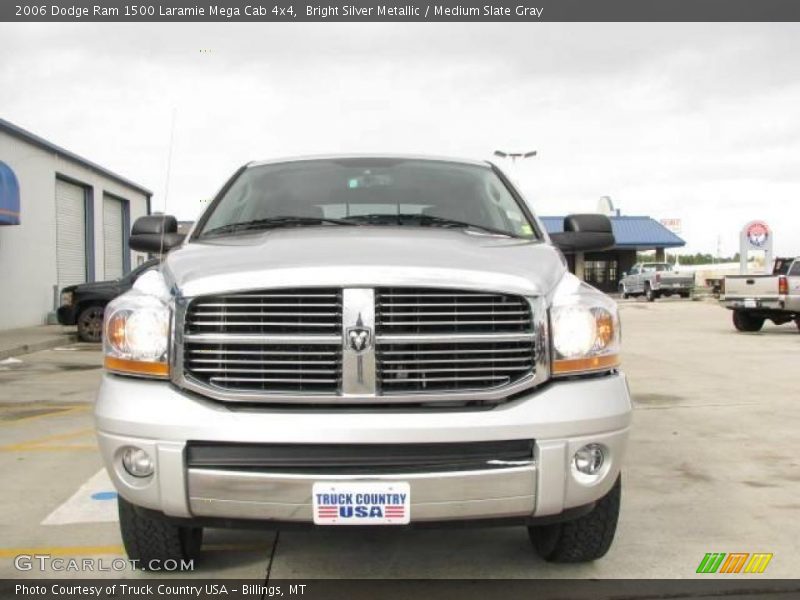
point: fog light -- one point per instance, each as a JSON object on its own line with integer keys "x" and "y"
{"x": 137, "y": 462}
{"x": 589, "y": 459}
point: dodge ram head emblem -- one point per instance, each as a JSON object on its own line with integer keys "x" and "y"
{"x": 359, "y": 338}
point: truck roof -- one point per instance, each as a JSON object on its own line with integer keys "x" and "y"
{"x": 464, "y": 161}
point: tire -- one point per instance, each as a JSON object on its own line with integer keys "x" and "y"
{"x": 586, "y": 538}
{"x": 649, "y": 293}
{"x": 797, "y": 322}
{"x": 90, "y": 323}
{"x": 149, "y": 539}
{"x": 685, "y": 294}
{"x": 622, "y": 292}
{"x": 746, "y": 322}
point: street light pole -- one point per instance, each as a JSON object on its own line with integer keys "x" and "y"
{"x": 515, "y": 155}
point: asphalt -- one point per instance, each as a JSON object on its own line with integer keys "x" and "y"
{"x": 712, "y": 467}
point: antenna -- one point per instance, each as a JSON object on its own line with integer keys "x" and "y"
{"x": 166, "y": 179}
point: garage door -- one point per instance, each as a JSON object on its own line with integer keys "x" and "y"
{"x": 70, "y": 233}
{"x": 113, "y": 240}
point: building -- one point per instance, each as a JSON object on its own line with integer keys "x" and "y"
{"x": 633, "y": 234}
{"x": 63, "y": 220}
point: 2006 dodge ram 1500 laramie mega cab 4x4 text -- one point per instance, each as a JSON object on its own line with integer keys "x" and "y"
{"x": 367, "y": 341}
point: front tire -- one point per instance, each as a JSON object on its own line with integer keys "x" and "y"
{"x": 586, "y": 538}
{"x": 90, "y": 323}
{"x": 747, "y": 322}
{"x": 149, "y": 539}
{"x": 649, "y": 293}
{"x": 623, "y": 292}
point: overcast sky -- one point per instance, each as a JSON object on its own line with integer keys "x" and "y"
{"x": 699, "y": 122}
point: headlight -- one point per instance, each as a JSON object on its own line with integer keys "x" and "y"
{"x": 585, "y": 329}
{"x": 66, "y": 298}
{"x": 136, "y": 339}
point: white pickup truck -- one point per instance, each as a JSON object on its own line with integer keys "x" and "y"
{"x": 756, "y": 298}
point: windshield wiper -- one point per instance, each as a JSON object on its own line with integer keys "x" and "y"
{"x": 423, "y": 221}
{"x": 272, "y": 222}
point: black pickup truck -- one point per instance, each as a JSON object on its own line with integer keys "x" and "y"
{"x": 83, "y": 304}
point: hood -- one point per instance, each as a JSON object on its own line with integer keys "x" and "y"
{"x": 364, "y": 256}
{"x": 94, "y": 286}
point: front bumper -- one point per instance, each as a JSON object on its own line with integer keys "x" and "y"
{"x": 66, "y": 314}
{"x": 560, "y": 417}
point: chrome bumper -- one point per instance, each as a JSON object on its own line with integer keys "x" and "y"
{"x": 560, "y": 417}
{"x": 434, "y": 497}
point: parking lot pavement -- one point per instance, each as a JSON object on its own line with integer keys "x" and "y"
{"x": 712, "y": 467}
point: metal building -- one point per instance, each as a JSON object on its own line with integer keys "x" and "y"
{"x": 63, "y": 220}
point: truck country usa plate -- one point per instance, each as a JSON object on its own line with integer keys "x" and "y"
{"x": 362, "y": 503}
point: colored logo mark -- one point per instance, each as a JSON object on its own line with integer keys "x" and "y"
{"x": 735, "y": 562}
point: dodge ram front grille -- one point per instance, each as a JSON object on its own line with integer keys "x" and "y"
{"x": 411, "y": 367}
{"x": 421, "y": 310}
{"x": 265, "y": 367}
{"x": 314, "y": 311}
{"x": 360, "y": 345}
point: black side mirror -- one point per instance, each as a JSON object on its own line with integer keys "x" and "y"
{"x": 584, "y": 233}
{"x": 156, "y": 234}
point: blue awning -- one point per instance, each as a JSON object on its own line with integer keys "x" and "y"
{"x": 9, "y": 196}
{"x": 640, "y": 233}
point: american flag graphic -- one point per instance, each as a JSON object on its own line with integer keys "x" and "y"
{"x": 390, "y": 511}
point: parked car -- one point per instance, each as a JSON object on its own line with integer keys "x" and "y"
{"x": 365, "y": 341}
{"x": 654, "y": 280}
{"x": 756, "y": 298}
{"x": 83, "y": 304}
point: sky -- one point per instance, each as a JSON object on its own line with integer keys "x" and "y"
{"x": 698, "y": 122}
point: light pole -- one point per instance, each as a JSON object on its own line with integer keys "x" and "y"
{"x": 515, "y": 155}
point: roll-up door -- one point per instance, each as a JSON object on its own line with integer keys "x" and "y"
{"x": 70, "y": 233}
{"x": 113, "y": 239}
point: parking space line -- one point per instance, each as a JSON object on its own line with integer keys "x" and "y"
{"x": 42, "y": 443}
{"x": 92, "y": 502}
{"x": 57, "y": 411}
{"x": 119, "y": 550}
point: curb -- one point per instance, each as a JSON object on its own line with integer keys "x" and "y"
{"x": 46, "y": 344}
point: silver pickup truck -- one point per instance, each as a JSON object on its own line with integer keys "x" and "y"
{"x": 364, "y": 341}
{"x": 756, "y": 298}
{"x": 653, "y": 280}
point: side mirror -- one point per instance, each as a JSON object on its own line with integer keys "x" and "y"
{"x": 584, "y": 233}
{"x": 155, "y": 234}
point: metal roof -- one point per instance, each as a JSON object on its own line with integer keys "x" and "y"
{"x": 34, "y": 139}
{"x": 630, "y": 232}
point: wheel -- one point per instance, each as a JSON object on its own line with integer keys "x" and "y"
{"x": 90, "y": 323}
{"x": 797, "y": 322}
{"x": 148, "y": 539}
{"x": 649, "y": 293}
{"x": 685, "y": 294}
{"x": 746, "y": 322}
{"x": 586, "y": 538}
{"x": 622, "y": 291}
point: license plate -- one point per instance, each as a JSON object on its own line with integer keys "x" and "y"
{"x": 750, "y": 303}
{"x": 361, "y": 503}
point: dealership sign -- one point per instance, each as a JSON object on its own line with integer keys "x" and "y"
{"x": 755, "y": 236}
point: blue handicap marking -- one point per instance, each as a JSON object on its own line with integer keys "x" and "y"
{"x": 104, "y": 496}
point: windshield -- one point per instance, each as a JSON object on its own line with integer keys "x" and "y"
{"x": 374, "y": 191}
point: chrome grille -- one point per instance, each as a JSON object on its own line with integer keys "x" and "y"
{"x": 424, "y": 345}
{"x": 276, "y": 341}
{"x": 435, "y": 340}
{"x": 409, "y": 367}
{"x": 419, "y": 310}
{"x": 315, "y": 311}
{"x": 265, "y": 367}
